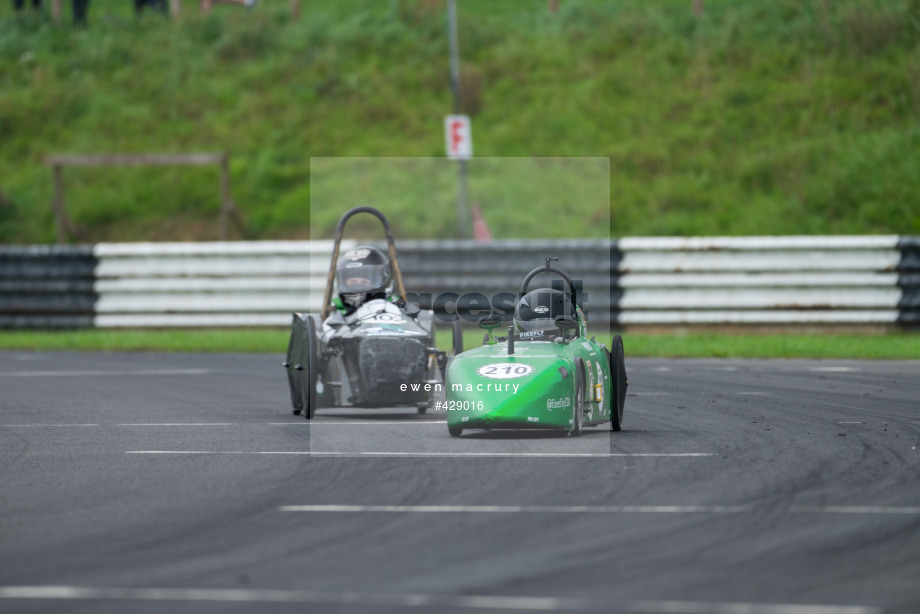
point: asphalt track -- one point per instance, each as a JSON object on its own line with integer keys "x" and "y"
{"x": 182, "y": 483}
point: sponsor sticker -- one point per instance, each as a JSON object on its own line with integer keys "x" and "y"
{"x": 505, "y": 370}
{"x": 559, "y": 403}
{"x": 357, "y": 254}
{"x": 541, "y": 309}
{"x": 383, "y": 317}
{"x": 532, "y": 333}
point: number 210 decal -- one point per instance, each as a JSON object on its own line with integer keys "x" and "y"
{"x": 505, "y": 370}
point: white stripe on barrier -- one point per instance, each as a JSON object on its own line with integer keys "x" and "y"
{"x": 754, "y": 279}
{"x": 168, "y": 267}
{"x": 775, "y": 298}
{"x": 839, "y": 316}
{"x": 129, "y": 285}
{"x": 198, "y": 303}
{"x": 678, "y": 262}
{"x": 218, "y": 248}
{"x": 628, "y": 244}
{"x": 203, "y": 320}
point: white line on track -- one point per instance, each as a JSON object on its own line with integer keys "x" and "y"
{"x": 494, "y": 602}
{"x": 524, "y": 509}
{"x": 844, "y": 422}
{"x": 377, "y": 423}
{"x": 504, "y": 454}
{"x": 834, "y": 369}
{"x": 698, "y": 607}
{"x": 43, "y": 425}
{"x": 105, "y": 373}
{"x": 594, "y": 509}
{"x": 426, "y": 600}
{"x": 179, "y": 424}
{"x": 430, "y": 454}
{"x": 305, "y": 422}
{"x": 687, "y": 394}
{"x": 853, "y": 509}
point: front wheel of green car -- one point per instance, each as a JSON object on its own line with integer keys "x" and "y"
{"x": 618, "y": 375}
{"x": 455, "y": 431}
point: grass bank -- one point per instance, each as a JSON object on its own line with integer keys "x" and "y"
{"x": 780, "y": 117}
{"x": 900, "y": 346}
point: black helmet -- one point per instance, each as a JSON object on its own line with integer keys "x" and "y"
{"x": 537, "y": 310}
{"x": 363, "y": 270}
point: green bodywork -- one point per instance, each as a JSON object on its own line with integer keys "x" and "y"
{"x": 535, "y": 387}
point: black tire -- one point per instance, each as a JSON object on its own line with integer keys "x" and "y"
{"x": 457, "y": 336}
{"x": 455, "y": 431}
{"x": 620, "y": 382}
{"x": 578, "y": 407}
{"x": 422, "y": 409}
{"x": 310, "y": 371}
{"x": 292, "y": 362}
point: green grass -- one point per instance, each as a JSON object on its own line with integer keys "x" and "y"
{"x": 779, "y": 117}
{"x": 902, "y": 346}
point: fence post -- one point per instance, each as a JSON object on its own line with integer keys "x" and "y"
{"x": 295, "y": 9}
{"x": 56, "y": 11}
{"x": 225, "y": 205}
{"x": 65, "y": 225}
{"x": 57, "y": 204}
{"x": 174, "y": 7}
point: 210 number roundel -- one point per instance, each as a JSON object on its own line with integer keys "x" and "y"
{"x": 505, "y": 370}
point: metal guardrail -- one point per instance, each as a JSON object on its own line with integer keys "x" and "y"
{"x": 765, "y": 280}
{"x": 860, "y": 280}
{"x": 47, "y": 287}
{"x": 209, "y": 284}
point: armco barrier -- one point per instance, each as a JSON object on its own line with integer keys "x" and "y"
{"x": 855, "y": 280}
{"x": 764, "y": 280}
{"x": 209, "y": 284}
{"x": 46, "y": 287}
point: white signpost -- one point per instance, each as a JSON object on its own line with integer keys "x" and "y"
{"x": 458, "y": 135}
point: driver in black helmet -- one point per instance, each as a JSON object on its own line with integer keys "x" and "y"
{"x": 536, "y": 312}
{"x": 362, "y": 274}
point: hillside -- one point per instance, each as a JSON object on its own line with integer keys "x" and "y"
{"x": 780, "y": 117}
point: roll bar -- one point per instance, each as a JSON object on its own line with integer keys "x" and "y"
{"x": 391, "y": 248}
{"x": 548, "y": 268}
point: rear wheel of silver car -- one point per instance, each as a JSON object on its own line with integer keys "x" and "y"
{"x": 578, "y": 409}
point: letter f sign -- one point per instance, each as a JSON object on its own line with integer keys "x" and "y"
{"x": 459, "y": 137}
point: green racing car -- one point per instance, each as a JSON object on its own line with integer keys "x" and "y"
{"x": 546, "y": 373}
